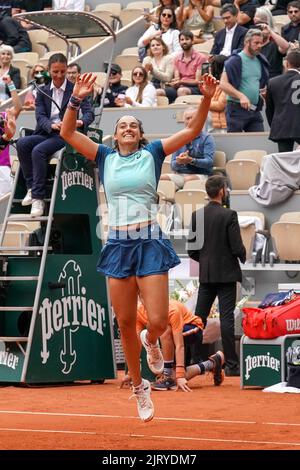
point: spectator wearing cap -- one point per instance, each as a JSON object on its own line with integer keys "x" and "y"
{"x": 114, "y": 89}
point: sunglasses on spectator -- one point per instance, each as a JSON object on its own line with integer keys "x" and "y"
{"x": 137, "y": 74}
{"x": 113, "y": 72}
{"x": 167, "y": 15}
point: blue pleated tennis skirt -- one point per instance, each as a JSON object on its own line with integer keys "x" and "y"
{"x": 142, "y": 252}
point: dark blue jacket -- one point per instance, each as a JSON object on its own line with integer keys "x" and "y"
{"x": 43, "y": 110}
{"x": 237, "y": 40}
{"x": 233, "y": 67}
{"x": 202, "y": 149}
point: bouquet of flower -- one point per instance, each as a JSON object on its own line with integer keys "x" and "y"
{"x": 183, "y": 293}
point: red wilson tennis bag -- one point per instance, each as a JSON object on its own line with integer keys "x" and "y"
{"x": 272, "y": 322}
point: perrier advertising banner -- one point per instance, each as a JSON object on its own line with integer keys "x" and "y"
{"x": 72, "y": 337}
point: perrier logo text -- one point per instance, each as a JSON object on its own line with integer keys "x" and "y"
{"x": 262, "y": 360}
{"x": 73, "y": 310}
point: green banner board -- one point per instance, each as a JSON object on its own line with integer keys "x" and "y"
{"x": 265, "y": 362}
{"x": 70, "y": 336}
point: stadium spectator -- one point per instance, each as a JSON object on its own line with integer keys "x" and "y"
{"x": 246, "y": 12}
{"x": 9, "y": 7}
{"x": 218, "y": 250}
{"x": 176, "y": 5}
{"x": 187, "y": 66}
{"x": 283, "y": 105}
{"x": 232, "y": 36}
{"x": 6, "y": 68}
{"x": 34, "y": 5}
{"x": 216, "y": 120}
{"x": 73, "y": 70}
{"x": 274, "y": 48}
{"x": 140, "y": 93}
{"x": 197, "y": 15}
{"x": 194, "y": 160}
{"x": 75, "y": 5}
{"x": 34, "y": 151}
{"x": 30, "y": 97}
{"x": 114, "y": 90}
{"x": 245, "y": 74}
{"x": 7, "y": 131}
{"x": 13, "y": 34}
{"x": 166, "y": 28}
{"x": 160, "y": 67}
{"x": 280, "y": 7}
{"x": 291, "y": 31}
{"x": 263, "y": 16}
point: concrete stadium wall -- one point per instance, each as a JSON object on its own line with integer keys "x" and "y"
{"x": 162, "y": 121}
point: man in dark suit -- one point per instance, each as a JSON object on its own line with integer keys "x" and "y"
{"x": 232, "y": 36}
{"x": 283, "y": 105}
{"x": 217, "y": 249}
{"x": 35, "y": 151}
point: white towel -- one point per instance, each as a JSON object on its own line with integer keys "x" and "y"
{"x": 281, "y": 388}
{"x": 245, "y": 221}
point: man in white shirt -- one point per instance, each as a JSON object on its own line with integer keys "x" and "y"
{"x": 232, "y": 36}
{"x": 76, "y": 5}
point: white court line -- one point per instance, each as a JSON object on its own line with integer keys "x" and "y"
{"x": 145, "y": 436}
{"x": 83, "y": 415}
{"x": 47, "y": 431}
{"x": 282, "y": 424}
{"x": 198, "y": 420}
{"x": 237, "y": 441}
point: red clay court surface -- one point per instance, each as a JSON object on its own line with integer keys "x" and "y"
{"x": 101, "y": 417}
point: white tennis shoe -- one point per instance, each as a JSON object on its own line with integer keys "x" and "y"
{"x": 144, "y": 402}
{"x": 154, "y": 355}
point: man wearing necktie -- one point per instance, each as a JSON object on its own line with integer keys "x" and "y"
{"x": 35, "y": 151}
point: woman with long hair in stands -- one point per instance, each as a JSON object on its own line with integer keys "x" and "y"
{"x": 166, "y": 28}
{"x": 30, "y": 97}
{"x": 160, "y": 67}
{"x": 140, "y": 93}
